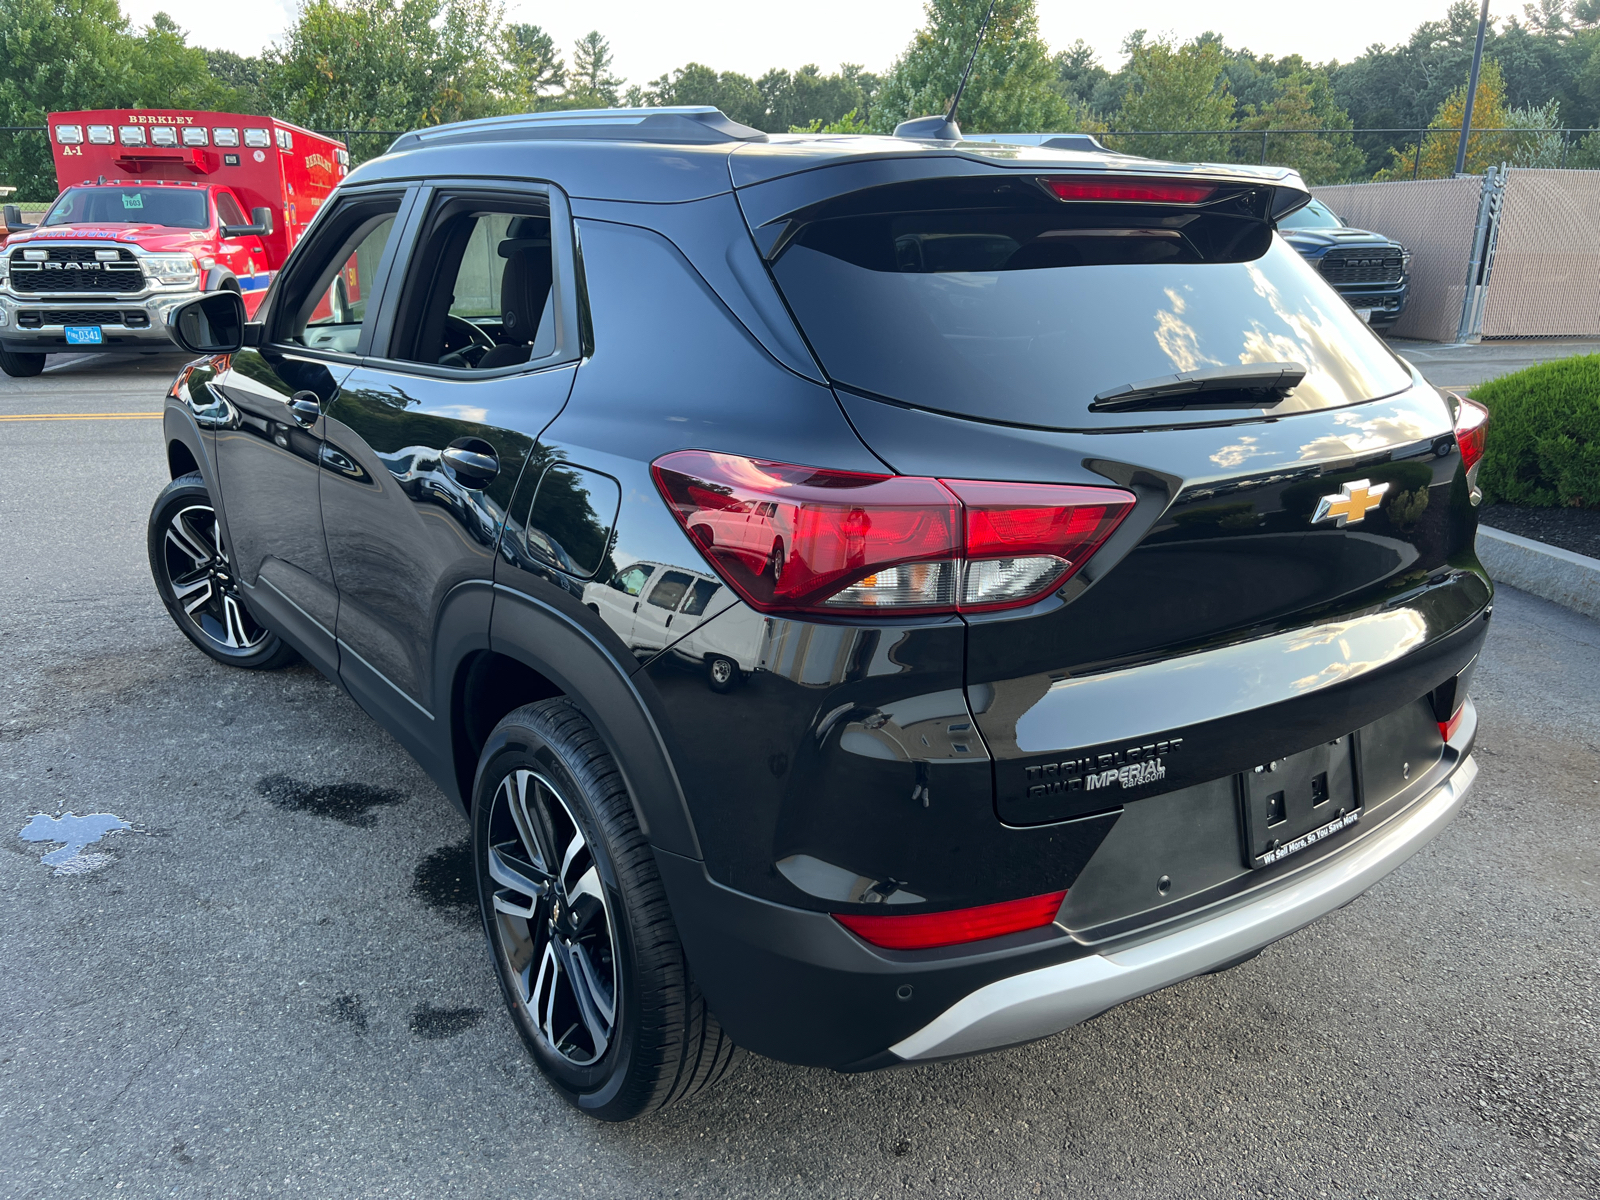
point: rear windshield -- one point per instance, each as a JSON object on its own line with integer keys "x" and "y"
{"x": 1018, "y": 307}
{"x": 180, "y": 208}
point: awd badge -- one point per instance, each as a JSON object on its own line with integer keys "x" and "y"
{"x": 1354, "y": 501}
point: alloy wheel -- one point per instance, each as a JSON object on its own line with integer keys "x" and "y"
{"x": 552, "y": 921}
{"x": 203, "y": 583}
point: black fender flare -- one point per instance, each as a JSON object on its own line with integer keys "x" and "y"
{"x": 219, "y": 276}
{"x": 178, "y": 425}
{"x": 617, "y": 700}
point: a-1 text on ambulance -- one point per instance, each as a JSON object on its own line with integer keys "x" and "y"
{"x": 156, "y": 207}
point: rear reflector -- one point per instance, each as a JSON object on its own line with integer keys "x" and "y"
{"x": 1130, "y": 191}
{"x": 801, "y": 539}
{"x": 1448, "y": 728}
{"x": 1472, "y": 431}
{"x": 925, "y": 931}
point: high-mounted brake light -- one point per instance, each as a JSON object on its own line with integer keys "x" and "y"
{"x": 926, "y": 931}
{"x": 1472, "y": 431}
{"x": 800, "y": 539}
{"x": 1130, "y": 191}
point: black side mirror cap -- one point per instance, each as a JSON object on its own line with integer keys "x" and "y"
{"x": 14, "y": 221}
{"x": 212, "y": 324}
{"x": 260, "y": 225}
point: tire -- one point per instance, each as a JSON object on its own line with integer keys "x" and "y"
{"x": 722, "y": 673}
{"x": 20, "y": 365}
{"x": 548, "y": 792}
{"x": 775, "y": 562}
{"x": 195, "y": 581}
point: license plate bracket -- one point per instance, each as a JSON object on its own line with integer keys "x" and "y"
{"x": 1294, "y": 803}
{"x": 84, "y": 335}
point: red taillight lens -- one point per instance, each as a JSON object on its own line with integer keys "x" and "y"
{"x": 1472, "y": 431}
{"x": 1024, "y": 539}
{"x": 793, "y": 539}
{"x": 1130, "y": 191}
{"x": 1448, "y": 728}
{"x": 925, "y": 931}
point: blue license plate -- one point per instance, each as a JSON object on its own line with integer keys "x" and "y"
{"x": 84, "y": 335}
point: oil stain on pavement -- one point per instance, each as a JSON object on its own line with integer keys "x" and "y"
{"x": 436, "y": 1024}
{"x": 347, "y": 1009}
{"x": 445, "y": 881}
{"x": 74, "y": 833}
{"x": 347, "y": 803}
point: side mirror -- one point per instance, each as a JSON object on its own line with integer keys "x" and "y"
{"x": 260, "y": 225}
{"x": 212, "y": 324}
{"x": 14, "y": 221}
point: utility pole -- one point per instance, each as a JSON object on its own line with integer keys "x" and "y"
{"x": 1472, "y": 91}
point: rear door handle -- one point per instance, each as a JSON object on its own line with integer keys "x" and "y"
{"x": 305, "y": 408}
{"x": 475, "y": 469}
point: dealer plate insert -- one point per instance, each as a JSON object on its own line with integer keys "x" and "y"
{"x": 1291, "y": 804}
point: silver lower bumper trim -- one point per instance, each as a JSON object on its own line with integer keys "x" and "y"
{"x": 1051, "y": 999}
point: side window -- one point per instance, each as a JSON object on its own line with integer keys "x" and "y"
{"x": 632, "y": 580}
{"x": 228, "y": 210}
{"x": 327, "y": 299}
{"x": 479, "y": 293}
{"x": 701, "y": 595}
{"x": 670, "y": 590}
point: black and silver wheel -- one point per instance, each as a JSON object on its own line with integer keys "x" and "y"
{"x": 583, "y": 942}
{"x": 197, "y": 584}
{"x": 722, "y": 673}
{"x": 20, "y": 365}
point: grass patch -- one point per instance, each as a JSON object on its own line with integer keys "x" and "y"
{"x": 1544, "y": 440}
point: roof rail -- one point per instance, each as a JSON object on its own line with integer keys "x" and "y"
{"x": 1050, "y": 141}
{"x": 690, "y": 124}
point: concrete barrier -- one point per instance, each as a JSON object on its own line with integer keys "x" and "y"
{"x": 1568, "y": 579}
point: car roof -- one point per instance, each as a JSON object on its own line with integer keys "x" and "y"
{"x": 691, "y": 152}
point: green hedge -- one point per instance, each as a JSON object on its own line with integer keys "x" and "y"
{"x": 1544, "y": 440}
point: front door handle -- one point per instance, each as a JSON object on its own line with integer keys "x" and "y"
{"x": 305, "y": 408}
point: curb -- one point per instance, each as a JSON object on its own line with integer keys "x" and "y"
{"x": 1568, "y": 579}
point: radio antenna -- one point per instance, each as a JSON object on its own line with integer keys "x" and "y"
{"x": 955, "y": 102}
{"x": 945, "y": 129}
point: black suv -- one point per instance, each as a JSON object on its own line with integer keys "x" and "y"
{"x": 876, "y": 600}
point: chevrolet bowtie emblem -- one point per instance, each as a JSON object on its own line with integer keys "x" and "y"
{"x": 1354, "y": 501}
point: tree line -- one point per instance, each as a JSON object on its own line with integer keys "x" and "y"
{"x": 375, "y": 66}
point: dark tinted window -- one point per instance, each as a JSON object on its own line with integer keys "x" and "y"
{"x": 228, "y": 210}
{"x": 699, "y": 597}
{"x": 670, "y": 590}
{"x": 1018, "y": 307}
{"x": 179, "y": 208}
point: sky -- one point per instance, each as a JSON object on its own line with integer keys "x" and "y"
{"x": 650, "y": 37}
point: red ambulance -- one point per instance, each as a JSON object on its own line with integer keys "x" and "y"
{"x": 156, "y": 207}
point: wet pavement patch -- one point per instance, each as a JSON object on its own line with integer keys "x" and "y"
{"x": 348, "y": 1009}
{"x": 74, "y": 833}
{"x": 348, "y": 803}
{"x": 446, "y": 882}
{"x": 435, "y": 1024}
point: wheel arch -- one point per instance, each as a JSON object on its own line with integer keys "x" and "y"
{"x": 535, "y": 652}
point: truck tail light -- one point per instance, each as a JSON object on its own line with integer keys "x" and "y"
{"x": 927, "y": 931}
{"x": 789, "y": 538}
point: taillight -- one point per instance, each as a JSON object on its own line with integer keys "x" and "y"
{"x": 801, "y": 539}
{"x": 1472, "y": 431}
{"x": 1448, "y": 728}
{"x": 926, "y": 931}
{"x": 1130, "y": 191}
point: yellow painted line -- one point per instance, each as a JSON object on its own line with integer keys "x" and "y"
{"x": 144, "y": 416}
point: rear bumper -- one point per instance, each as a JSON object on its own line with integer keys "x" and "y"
{"x": 1045, "y": 1001}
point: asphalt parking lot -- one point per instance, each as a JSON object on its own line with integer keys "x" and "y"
{"x": 273, "y": 983}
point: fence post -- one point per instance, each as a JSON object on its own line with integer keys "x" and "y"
{"x": 1416, "y": 165}
{"x": 1483, "y": 233}
{"x": 1563, "y": 149}
{"x": 1263, "y": 147}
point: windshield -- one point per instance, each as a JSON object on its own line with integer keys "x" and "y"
{"x": 1025, "y": 313}
{"x": 179, "y": 208}
{"x": 1315, "y": 215}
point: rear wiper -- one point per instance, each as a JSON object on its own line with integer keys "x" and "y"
{"x": 1251, "y": 385}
